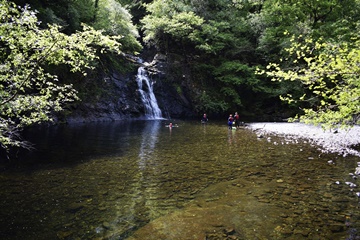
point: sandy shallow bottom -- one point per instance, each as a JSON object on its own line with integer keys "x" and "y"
{"x": 205, "y": 218}
{"x": 260, "y": 204}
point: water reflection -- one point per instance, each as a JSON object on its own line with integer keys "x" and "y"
{"x": 231, "y": 136}
{"x": 141, "y": 195}
{"x": 148, "y": 142}
{"x": 79, "y": 142}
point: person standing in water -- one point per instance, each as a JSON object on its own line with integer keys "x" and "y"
{"x": 204, "y": 118}
{"x": 230, "y": 121}
{"x": 237, "y": 120}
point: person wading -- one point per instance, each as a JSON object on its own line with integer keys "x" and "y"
{"x": 230, "y": 121}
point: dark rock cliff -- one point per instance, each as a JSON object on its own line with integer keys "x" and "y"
{"x": 120, "y": 102}
{"x": 122, "y": 99}
{"x": 173, "y": 99}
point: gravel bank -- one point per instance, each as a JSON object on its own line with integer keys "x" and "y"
{"x": 341, "y": 141}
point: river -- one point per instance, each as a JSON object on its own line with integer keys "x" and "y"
{"x": 143, "y": 180}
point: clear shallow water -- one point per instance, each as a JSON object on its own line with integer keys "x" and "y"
{"x": 141, "y": 180}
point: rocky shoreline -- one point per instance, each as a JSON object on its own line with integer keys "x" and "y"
{"x": 341, "y": 141}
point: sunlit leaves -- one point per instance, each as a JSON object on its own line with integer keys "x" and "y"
{"x": 115, "y": 20}
{"x": 28, "y": 92}
{"x": 331, "y": 71}
{"x": 172, "y": 18}
{"x": 183, "y": 24}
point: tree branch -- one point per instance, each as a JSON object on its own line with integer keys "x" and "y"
{"x": 28, "y": 77}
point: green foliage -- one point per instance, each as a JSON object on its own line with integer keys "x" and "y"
{"x": 105, "y": 15}
{"x": 233, "y": 75}
{"x": 28, "y": 92}
{"x": 217, "y": 43}
{"x": 207, "y": 102}
{"x": 328, "y": 19}
{"x": 69, "y": 14}
{"x": 331, "y": 74}
{"x": 171, "y": 19}
{"x": 213, "y": 35}
{"x": 269, "y": 25}
{"x": 115, "y": 20}
{"x": 222, "y": 41}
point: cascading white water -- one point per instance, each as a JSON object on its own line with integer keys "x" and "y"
{"x": 152, "y": 110}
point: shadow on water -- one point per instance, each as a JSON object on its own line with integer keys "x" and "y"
{"x": 143, "y": 180}
{"x": 76, "y": 143}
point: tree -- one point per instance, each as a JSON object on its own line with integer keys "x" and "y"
{"x": 215, "y": 43}
{"x": 115, "y": 20}
{"x": 29, "y": 92}
{"x": 67, "y": 13}
{"x": 170, "y": 22}
{"x": 330, "y": 73}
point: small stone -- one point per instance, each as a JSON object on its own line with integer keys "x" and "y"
{"x": 337, "y": 227}
{"x": 229, "y": 231}
{"x": 303, "y": 232}
{"x": 74, "y": 207}
{"x": 106, "y": 225}
{"x": 64, "y": 235}
{"x": 264, "y": 200}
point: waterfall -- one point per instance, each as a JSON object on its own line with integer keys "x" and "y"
{"x": 152, "y": 110}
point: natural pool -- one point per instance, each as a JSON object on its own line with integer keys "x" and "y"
{"x": 142, "y": 180}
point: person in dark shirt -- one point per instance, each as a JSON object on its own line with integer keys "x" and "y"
{"x": 237, "y": 120}
{"x": 204, "y": 119}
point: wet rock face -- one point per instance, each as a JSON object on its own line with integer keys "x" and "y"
{"x": 157, "y": 67}
{"x": 173, "y": 99}
{"x": 121, "y": 98}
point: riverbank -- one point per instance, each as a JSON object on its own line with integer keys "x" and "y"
{"x": 341, "y": 141}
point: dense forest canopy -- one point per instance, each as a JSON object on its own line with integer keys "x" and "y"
{"x": 224, "y": 41}
{"x": 237, "y": 55}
